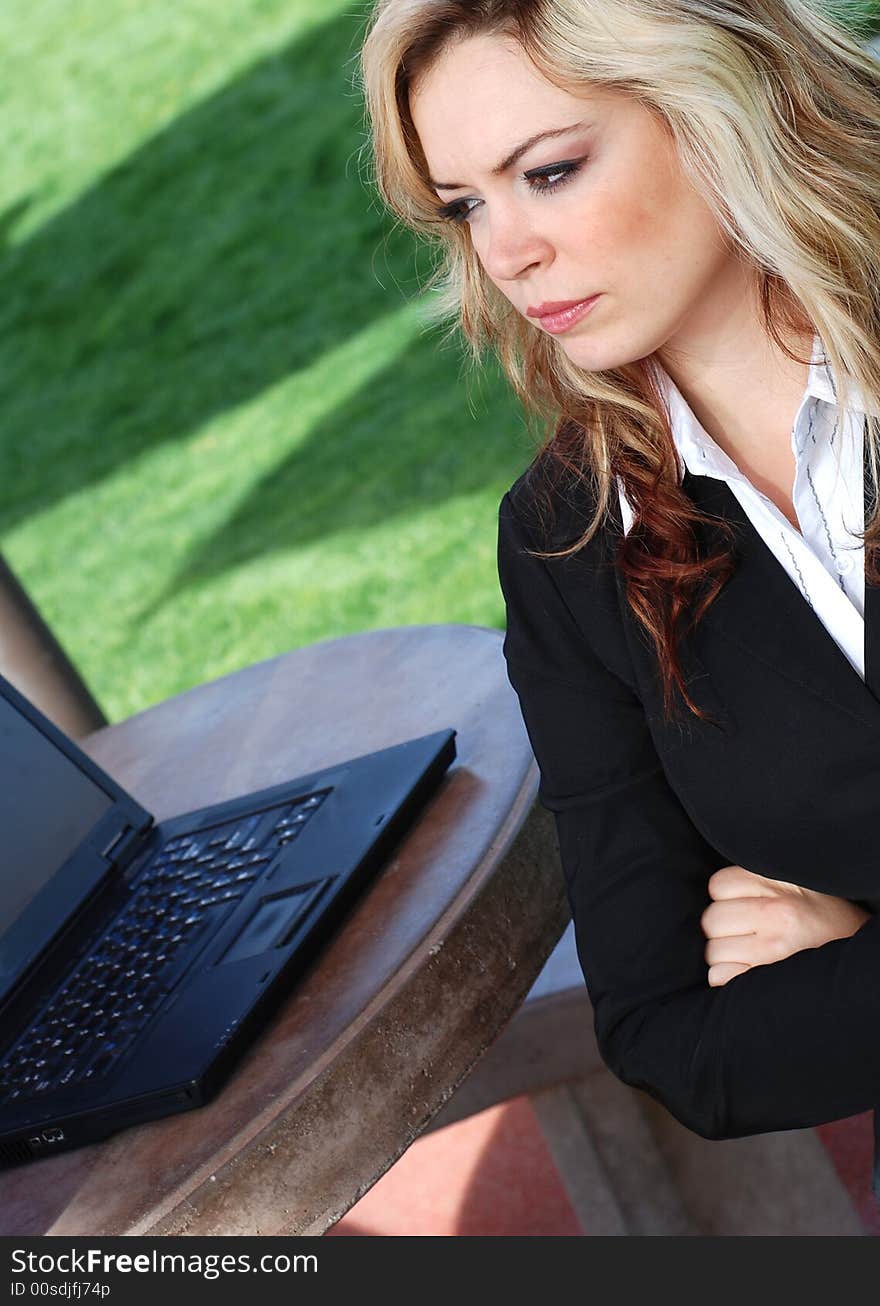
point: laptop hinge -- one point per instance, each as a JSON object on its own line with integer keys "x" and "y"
{"x": 124, "y": 845}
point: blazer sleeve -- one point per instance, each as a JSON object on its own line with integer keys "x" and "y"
{"x": 785, "y": 1045}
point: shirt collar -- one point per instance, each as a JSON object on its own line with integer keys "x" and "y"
{"x": 696, "y": 448}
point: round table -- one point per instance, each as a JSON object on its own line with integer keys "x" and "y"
{"x": 432, "y": 961}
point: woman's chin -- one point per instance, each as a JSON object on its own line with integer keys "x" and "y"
{"x": 583, "y": 354}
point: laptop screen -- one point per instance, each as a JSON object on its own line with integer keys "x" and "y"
{"x": 47, "y": 807}
{"x": 58, "y": 815}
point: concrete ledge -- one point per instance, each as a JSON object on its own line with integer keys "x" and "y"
{"x": 548, "y": 1041}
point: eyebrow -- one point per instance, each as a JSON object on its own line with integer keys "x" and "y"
{"x": 513, "y": 157}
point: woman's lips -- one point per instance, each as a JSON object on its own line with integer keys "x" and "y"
{"x": 560, "y": 319}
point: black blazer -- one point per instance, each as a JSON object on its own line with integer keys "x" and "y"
{"x": 787, "y": 785}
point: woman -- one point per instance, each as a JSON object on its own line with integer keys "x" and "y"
{"x": 664, "y": 216}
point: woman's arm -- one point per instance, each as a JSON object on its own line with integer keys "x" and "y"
{"x": 785, "y": 1045}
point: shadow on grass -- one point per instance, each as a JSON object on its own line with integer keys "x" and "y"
{"x": 230, "y": 251}
{"x": 400, "y": 455}
{"x": 10, "y": 218}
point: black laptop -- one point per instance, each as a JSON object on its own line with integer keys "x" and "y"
{"x": 138, "y": 960}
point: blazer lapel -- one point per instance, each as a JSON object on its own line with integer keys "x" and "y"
{"x": 759, "y": 609}
{"x": 764, "y": 612}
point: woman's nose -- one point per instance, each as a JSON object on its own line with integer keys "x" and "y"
{"x": 513, "y": 247}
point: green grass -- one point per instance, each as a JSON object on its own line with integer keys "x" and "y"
{"x": 225, "y": 433}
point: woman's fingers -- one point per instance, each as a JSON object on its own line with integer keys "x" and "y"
{"x": 749, "y": 949}
{"x": 738, "y": 916}
{"x": 753, "y": 921}
{"x": 725, "y": 971}
{"x": 737, "y": 882}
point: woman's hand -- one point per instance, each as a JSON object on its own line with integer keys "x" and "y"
{"x": 753, "y": 920}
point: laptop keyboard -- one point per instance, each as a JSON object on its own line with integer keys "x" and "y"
{"x": 95, "y": 1017}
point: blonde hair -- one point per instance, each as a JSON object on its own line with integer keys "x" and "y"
{"x": 774, "y": 108}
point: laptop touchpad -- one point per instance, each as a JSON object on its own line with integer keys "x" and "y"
{"x": 275, "y": 921}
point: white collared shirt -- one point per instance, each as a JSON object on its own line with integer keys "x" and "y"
{"x": 824, "y": 559}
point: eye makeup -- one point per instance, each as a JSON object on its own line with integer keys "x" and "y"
{"x": 538, "y": 178}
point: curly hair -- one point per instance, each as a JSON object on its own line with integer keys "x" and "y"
{"x": 774, "y": 109}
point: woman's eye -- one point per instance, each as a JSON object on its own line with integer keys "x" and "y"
{"x": 540, "y": 180}
{"x": 457, "y": 211}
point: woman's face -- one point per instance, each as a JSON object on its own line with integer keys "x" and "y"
{"x": 600, "y": 208}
